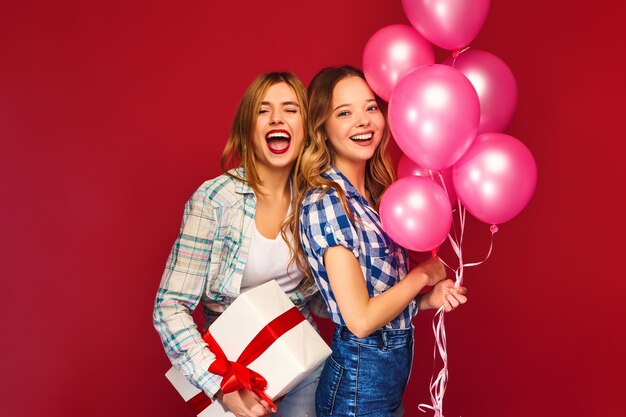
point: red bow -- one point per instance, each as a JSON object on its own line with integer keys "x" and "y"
{"x": 236, "y": 374}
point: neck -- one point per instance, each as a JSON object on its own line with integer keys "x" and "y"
{"x": 355, "y": 173}
{"x": 274, "y": 181}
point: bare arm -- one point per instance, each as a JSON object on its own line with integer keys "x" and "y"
{"x": 364, "y": 315}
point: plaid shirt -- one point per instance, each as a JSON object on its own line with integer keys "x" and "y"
{"x": 324, "y": 223}
{"x": 205, "y": 266}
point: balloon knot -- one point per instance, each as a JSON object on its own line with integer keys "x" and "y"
{"x": 493, "y": 229}
{"x": 458, "y": 52}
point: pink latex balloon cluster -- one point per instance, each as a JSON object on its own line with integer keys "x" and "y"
{"x": 447, "y": 120}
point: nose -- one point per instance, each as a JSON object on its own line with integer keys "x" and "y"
{"x": 363, "y": 120}
{"x": 276, "y": 118}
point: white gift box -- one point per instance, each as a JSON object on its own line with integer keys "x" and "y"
{"x": 284, "y": 364}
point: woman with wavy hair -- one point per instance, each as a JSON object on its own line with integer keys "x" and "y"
{"x": 361, "y": 272}
{"x": 235, "y": 236}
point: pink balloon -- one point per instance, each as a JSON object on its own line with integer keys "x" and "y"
{"x": 495, "y": 178}
{"x": 496, "y": 87}
{"x": 390, "y": 53}
{"x": 415, "y": 213}
{"x": 450, "y": 24}
{"x": 433, "y": 115}
{"x": 406, "y": 168}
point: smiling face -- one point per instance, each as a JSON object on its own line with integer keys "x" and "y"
{"x": 355, "y": 125}
{"x": 279, "y": 129}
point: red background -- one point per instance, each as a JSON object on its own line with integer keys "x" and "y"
{"x": 112, "y": 113}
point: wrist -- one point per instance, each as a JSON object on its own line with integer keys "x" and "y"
{"x": 219, "y": 395}
{"x": 419, "y": 279}
{"x": 424, "y": 302}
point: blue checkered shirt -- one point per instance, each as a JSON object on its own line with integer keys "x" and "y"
{"x": 324, "y": 223}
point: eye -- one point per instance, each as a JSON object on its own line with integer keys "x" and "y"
{"x": 263, "y": 111}
{"x": 343, "y": 113}
{"x": 372, "y": 108}
{"x": 291, "y": 110}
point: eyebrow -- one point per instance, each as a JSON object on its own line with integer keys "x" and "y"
{"x": 346, "y": 105}
{"x": 284, "y": 103}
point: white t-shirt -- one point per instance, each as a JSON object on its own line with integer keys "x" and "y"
{"x": 268, "y": 259}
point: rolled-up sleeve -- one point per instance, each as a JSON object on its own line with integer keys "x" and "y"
{"x": 325, "y": 224}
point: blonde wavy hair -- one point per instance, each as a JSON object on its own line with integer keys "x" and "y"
{"x": 239, "y": 148}
{"x": 318, "y": 157}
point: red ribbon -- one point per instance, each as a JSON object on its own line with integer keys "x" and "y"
{"x": 236, "y": 374}
{"x": 199, "y": 402}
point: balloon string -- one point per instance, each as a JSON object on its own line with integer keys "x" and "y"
{"x": 442, "y": 182}
{"x": 457, "y": 245}
{"x": 439, "y": 384}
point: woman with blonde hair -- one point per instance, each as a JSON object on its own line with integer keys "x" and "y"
{"x": 361, "y": 272}
{"x": 234, "y": 237}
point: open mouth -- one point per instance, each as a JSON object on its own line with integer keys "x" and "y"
{"x": 362, "y": 137}
{"x": 278, "y": 141}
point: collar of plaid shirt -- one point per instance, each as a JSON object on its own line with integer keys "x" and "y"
{"x": 334, "y": 174}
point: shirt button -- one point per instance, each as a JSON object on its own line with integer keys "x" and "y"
{"x": 387, "y": 251}
{"x": 328, "y": 228}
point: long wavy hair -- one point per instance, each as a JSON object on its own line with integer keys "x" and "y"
{"x": 239, "y": 148}
{"x": 318, "y": 156}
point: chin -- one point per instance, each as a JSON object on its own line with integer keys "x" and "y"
{"x": 282, "y": 163}
{"x": 366, "y": 157}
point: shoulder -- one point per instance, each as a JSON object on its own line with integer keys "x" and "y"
{"x": 221, "y": 191}
{"x": 323, "y": 204}
{"x": 319, "y": 197}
